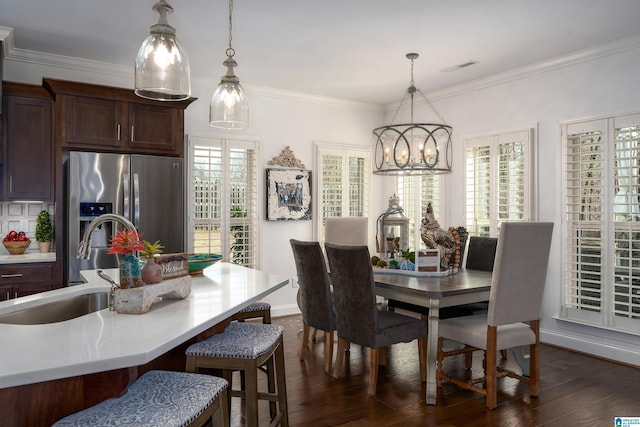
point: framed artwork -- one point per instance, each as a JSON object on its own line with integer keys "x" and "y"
{"x": 288, "y": 194}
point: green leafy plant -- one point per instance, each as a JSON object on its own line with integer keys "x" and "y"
{"x": 44, "y": 228}
{"x": 151, "y": 249}
{"x": 409, "y": 255}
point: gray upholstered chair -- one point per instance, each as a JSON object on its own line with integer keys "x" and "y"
{"x": 316, "y": 301}
{"x": 357, "y": 316}
{"x": 513, "y": 318}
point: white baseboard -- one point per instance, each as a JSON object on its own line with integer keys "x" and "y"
{"x": 595, "y": 348}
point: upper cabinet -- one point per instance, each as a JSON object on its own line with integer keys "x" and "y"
{"x": 101, "y": 118}
{"x": 27, "y": 152}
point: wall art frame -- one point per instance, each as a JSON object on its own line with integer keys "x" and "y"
{"x": 288, "y": 194}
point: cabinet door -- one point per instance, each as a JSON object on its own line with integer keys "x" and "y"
{"x": 28, "y": 168}
{"x": 26, "y": 279}
{"x": 154, "y": 129}
{"x": 93, "y": 122}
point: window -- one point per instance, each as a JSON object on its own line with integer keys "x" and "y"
{"x": 601, "y": 234}
{"x": 223, "y": 217}
{"x": 415, "y": 194}
{"x": 498, "y": 181}
{"x": 343, "y": 184}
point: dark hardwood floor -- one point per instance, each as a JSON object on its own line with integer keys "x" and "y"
{"x": 575, "y": 390}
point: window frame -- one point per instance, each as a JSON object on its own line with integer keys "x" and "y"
{"x": 493, "y": 141}
{"x": 226, "y": 144}
{"x": 344, "y": 151}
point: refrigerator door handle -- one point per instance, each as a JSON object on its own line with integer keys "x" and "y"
{"x": 125, "y": 193}
{"x": 136, "y": 199}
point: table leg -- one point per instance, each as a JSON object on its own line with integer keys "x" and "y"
{"x": 432, "y": 350}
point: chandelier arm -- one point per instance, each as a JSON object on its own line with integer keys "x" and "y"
{"x": 402, "y": 102}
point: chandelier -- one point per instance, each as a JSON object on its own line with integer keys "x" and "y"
{"x": 229, "y": 107}
{"x": 162, "y": 69}
{"x": 413, "y": 148}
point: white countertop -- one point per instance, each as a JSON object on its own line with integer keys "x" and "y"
{"x": 27, "y": 258}
{"x": 106, "y": 340}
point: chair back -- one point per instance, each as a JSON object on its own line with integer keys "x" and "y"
{"x": 354, "y": 293}
{"x": 481, "y": 253}
{"x": 346, "y": 230}
{"x": 316, "y": 301}
{"x": 519, "y": 272}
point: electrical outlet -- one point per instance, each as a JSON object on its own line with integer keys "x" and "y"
{"x": 294, "y": 282}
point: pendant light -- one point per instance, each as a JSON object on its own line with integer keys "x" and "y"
{"x": 413, "y": 148}
{"x": 162, "y": 64}
{"x": 229, "y": 107}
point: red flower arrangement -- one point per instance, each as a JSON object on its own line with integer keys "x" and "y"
{"x": 124, "y": 242}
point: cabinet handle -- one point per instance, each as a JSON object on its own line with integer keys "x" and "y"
{"x": 8, "y": 276}
{"x": 132, "y": 127}
{"x": 15, "y": 294}
{"x": 118, "y": 132}
{"x": 10, "y": 184}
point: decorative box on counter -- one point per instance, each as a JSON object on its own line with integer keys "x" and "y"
{"x": 139, "y": 300}
{"x": 173, "y": 265}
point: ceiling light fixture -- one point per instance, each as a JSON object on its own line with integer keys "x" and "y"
{"x": 413, "y": 148}
{"x": 229, "y": 107}
{"x": 162, "y": 64}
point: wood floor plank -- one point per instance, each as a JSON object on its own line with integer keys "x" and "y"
{"x": 574, "y": 390}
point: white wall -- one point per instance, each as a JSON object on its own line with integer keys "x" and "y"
{"x": 599, "y": 85}
{"x": 540, "y": 96}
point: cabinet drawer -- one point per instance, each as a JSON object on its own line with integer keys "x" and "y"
{"x": 26, "y": 273}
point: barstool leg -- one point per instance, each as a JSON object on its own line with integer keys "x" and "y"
{"x": 251, "y": 396}
{"x": 282, "y": 385}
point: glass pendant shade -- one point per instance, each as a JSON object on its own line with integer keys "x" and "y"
{"x": 162, "y": 68}
{"x": 229, "y": 107}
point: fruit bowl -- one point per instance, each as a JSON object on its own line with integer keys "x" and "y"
{"x": 198, "y": 262}
{"x": 17, "y": 247}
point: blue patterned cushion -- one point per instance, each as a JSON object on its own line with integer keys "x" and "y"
{"x": 256, "y": 306}
{"x": 238, "y": 341}
{"x": 157, "y": 398}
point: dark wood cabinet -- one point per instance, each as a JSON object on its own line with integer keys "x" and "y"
{"x": 18, "y": 280}
{"x": 28, "y": 171}
{"x": 101, "y": 118}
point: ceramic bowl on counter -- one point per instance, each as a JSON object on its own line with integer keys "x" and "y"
{"x": 198, "y": 262}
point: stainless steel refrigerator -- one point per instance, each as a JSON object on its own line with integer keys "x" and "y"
{"x": 147, "y": 190}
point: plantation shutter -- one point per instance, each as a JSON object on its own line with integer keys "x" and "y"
{"x": 415, "y": 194}
{"x": 224, "y": 217}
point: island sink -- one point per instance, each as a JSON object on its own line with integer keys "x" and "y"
{"x": 58, "y": 311}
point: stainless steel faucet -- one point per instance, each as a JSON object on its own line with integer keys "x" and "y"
{"x": 84, "y": 248}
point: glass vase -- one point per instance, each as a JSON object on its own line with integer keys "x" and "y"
{"x": 130, "y": 272}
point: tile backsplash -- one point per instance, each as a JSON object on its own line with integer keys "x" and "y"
{"x": 21, "y": 216}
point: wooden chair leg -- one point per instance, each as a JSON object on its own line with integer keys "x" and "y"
{"x": 343, "y": 345}
{"x": 282, "y": 385}
{"x": 382, "y": 356}
{"x": 251, "y": 396}
{"x": 534, "y": 360}
{"x": 503, "y": 354}
{"x": 422, "y": 358}
{"x": 328, "y": 351}
{"x": 468, "y": 360}
{"x": 304, "y": 348}
{"x": 373, "y": 370}
{"x": 491, "y": 368}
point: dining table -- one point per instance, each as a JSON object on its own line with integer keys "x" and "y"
{"x": 433, "y": 290}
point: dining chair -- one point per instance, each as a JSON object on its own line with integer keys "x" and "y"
{"x": 513, "y": 317}
{"x": 347, "y": 230}
{"x": 358, "y": 318}
{"x": 315, "y": 299}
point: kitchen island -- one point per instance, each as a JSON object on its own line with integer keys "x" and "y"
{"x": 50, "y": 370}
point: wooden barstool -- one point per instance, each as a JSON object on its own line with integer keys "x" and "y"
{"x": 257, "y": 310}
{"x": 246, "y": 347}
{"x": 160, "y": 398}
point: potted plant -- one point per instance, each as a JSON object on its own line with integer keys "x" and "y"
{"x": 152, "y": 271}
{"x": 44, "y": 231}
{"x": 126, "y": 243}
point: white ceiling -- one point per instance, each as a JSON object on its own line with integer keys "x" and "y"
{"x": 350, "y": 49}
